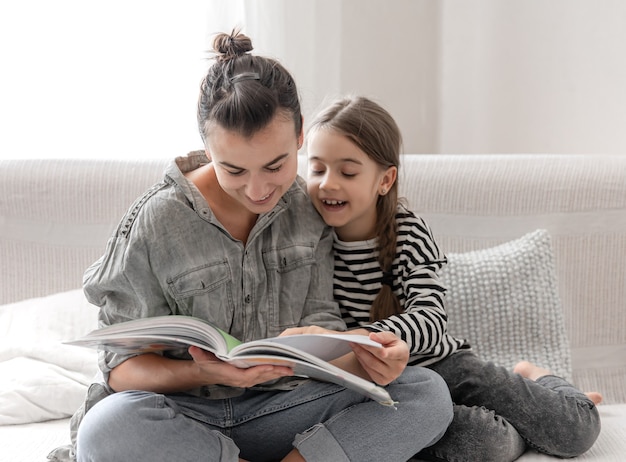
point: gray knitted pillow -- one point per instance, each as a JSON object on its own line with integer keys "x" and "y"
{"x": 505, "y": 301}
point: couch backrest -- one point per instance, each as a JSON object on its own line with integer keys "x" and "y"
{"x": 56, "y": 216}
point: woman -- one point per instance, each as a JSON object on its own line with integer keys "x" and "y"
{"x": 230, "y": 236}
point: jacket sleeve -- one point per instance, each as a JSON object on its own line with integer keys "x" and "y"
{"x": 122, "y": 285}
{"x": 320, "y": 308}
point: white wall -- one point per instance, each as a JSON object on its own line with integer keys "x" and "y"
{"x": 533, "y": 76}
{"x": 391, "y": 53}
{"x": 120, "y": 78}
{"x": 490, "y": 76}
{"x": 115, "y": 78}
{"x": 387, "y": 50}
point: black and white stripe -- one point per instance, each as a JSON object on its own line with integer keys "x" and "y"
{"x": 416, "y": 283}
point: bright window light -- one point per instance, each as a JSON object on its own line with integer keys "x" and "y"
{"x": 114, "y": 79}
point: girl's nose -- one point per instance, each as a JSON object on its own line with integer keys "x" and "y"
{"x": 328, "y": 182}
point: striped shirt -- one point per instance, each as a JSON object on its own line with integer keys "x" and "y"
{"x": 423, "y": 322}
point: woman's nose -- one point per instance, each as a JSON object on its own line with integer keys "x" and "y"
{"x": 257, "y": 189}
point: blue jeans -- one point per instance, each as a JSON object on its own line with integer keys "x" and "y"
{"x": 499, "y": 414}
{"x": 324, "y": 421}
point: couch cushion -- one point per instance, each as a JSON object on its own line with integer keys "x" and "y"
{"x": 41, "y": 378}
{"x": 505, "y": 301}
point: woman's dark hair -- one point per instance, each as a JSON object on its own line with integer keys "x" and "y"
{"x": 374, "y": 131}
{"x": 242, "y": 92}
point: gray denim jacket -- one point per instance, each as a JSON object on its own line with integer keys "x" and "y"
{"x": 170, "y": 255}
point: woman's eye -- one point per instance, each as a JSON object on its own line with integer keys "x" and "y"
{"x": 274, "y": 169}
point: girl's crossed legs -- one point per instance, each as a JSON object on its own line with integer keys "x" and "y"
{"x": 499, "y": 413}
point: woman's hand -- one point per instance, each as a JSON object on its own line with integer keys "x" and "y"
{"x": 152, "y": 372}
{"x": 220, "y": 372}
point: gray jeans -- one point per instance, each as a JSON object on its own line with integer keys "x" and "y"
{"x": 324, "y": 421}
{"x": 499, "y": 414}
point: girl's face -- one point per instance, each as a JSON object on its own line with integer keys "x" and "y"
{"x": 344, "y": 184}
{"x": 256, "y": 171}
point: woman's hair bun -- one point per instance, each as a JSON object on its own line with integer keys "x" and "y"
{"x": 229, "y": 46}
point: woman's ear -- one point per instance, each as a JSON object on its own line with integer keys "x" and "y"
{"x": 208, "y": 154}
{"x": 301, "y": 135}
{"x": 387, "y": 180}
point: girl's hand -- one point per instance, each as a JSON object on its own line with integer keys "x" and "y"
{"x": 220, "y": 372}
{"x": 309, "y": 330}
{"x": 385, "y": 364}
{"x": 381, "y": 365}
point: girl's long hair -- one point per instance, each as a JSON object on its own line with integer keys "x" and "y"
{"x": 370, "y": 127}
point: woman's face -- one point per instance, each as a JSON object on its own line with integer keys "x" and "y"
{"x": 258, "y": 170}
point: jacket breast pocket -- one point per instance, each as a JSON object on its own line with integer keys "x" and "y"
{"x": 204, "y": 291}
{"x": 289, "y": 275}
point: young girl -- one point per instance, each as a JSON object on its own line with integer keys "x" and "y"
{"x": 230, "y": 236}
{"x": 386, "y": 279}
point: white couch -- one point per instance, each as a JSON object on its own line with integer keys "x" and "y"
{"x": 56, "y": 215}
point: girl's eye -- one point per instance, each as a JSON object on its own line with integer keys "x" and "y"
{"x": 349, "y": 175}
{"x": 235, "y": 172}
{"x": 315, "y": 169}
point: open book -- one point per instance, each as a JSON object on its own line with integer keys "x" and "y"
{"x": 306, "y": 354}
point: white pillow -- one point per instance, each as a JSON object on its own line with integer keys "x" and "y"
{"x": 505, "y": 301}
{"x": 40, "y": 378}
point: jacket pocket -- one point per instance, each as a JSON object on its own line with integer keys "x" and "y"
{"x": 200, "y": 280}
{"x": 204, "y": 292}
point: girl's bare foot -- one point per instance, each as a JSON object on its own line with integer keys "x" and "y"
{"x": 533, "y": 372}
{"x": 530, "y": 370}
{"x": 594, "y": 396}
{"x": 293, "y": 456}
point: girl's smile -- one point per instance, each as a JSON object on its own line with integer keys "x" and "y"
{"x": 332, "y": 204}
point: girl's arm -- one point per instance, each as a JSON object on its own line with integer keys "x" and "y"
{"x": 423, "y": 322}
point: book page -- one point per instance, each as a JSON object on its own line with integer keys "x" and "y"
{"x": 325, "y": 372}
{"x": 172, "y": 332}
{"x": 324, "y": 346}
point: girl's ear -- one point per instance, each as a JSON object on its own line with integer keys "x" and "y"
{"x": 208, "y": 154}
{"x": 387, "y": 180}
